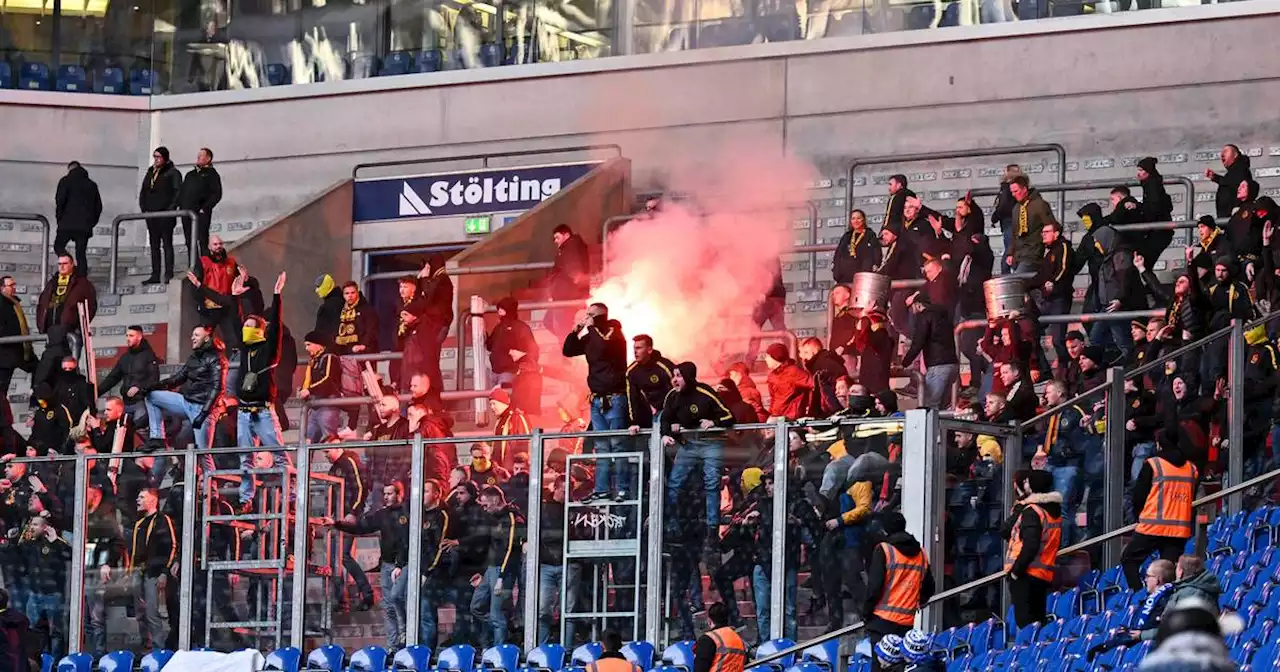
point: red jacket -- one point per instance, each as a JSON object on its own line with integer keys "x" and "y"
{"x": 789, "y": 387}
{"x": 218, "y": 276}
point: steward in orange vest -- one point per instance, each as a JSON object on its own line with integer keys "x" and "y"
{"x": 721, "y": 649}
{"x": 1034, "y": 531}
{"x": 898, "y": 583}
{"x": 1162, "y": 496}
{"x": 611, "y": 659}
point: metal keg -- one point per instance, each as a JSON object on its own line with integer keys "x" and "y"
{"x": 870, "y": 290}
{"x": 1004, "y": 296}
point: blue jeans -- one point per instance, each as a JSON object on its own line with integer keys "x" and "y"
{"x": 161, "y": 402}
{"x": 1006, "y": 230}
{"x": 1141, "y": 453}
{"x": 1066, "y": 482}
{"x": 54, "y": 605}
{"x": 760, "y": 588}
{"x": 486, "y": 603}
{"x": 611, "y": 475}
{"x": 1115, "y": 333}
{"x": 937, "y": 385}
{"x": 549, "y": 577}
{"x": 323, "y": 422}
{"x": 711, "y": 455}
{"x": 95, "y": 616}
{"x": 1057, "y": 332}
{"x": 263, "y": 425}
{"x": 393, "y": 604}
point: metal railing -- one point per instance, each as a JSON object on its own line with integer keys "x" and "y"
{"x": 1055, "y": 148}
{"x": 484, "y": 158}
{"x": 193, "y": 251}
{"x": 45, "y": 230}
{"x": 1189, "y": 203}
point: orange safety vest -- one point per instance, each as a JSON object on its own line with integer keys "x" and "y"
{"x": 904, "y": 575}
{"x": 1044, "y": 565}
{"x": 731, "y": 653}
{"x": 612, "y": 665}
{"x": 1167, "y": 512}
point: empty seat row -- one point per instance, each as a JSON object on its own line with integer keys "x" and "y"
{"x": 36, "y": 76}
{"x": 363, "y": 66}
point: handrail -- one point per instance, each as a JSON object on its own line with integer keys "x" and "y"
{"x": 960, "y": 154}
{"x": 193, "y": 250}
{"x": 355, "y": 172}
{"x": 29, "y": 338}
{"x": 44, "y": 236}
{"x": 978, "y": 583}
{"x": 1088, "y": 185}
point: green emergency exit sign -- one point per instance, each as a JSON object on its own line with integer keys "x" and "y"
{"x": 477, "y": 224}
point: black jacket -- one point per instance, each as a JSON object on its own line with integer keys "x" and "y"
{"x": 506, "y": 533}
{"x": 1225, "y": 199}
{"x": 469, "y": 524}
{"x": 357, "y": 325}
{"x": 688, "y": 408}
{"x": 901, "y": 259}
{"x": 605, "y": 348}
{"x": 78, "y": 205}
{"x": 105, "y": 536}
{"x": 511, "y": 333}
{"x": 155, "y": 544}
{"x": 1022, "y": 402}
{"x": 202, "y": 378}
{"x": 647, "y": 386}
{"x": 971, "y": 243}
{"x": 354, "y": 488}
{"x": 51, "y": 425}
{"x": 390, "y": 523}
{"x": 261, "y": 358}
{"x": 437, "y": 525}
{"x": 159, "y": 190}
{"x": 201, "y": 190}
{"x": 323, "y": 377}
{"x": 137, "y": 367}
{"x": 72, "y": 390}
{"x": 932, "y": 334}
{"x": 13, "y": 322}
{"x": 855, "y": 256}
{"x": 570, "y": 276}
{"x": 47, "y": 563}
{"x": 1056, "y": 268}
{"x": 904, "y": 543}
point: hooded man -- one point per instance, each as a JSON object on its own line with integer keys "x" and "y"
{"x": 689, "y": 407}
{"x": 599, "y": 340}
{"x": 331, "y": 301}
{"x": 1157, "y": 206}
{"x": 513, "y": 356}
{"x": 1087, "y": 255}
{"x": 322, "y": 380}
{"x": 1237, "y": 165}
{"x": 1034, "y": 532}
{"x": 257, "y": 393}
{"x": 789, "y": 385}
{"x": 1030, "y": 215}
{"x": 1229, "y": 299}
{"x": 78, "y": 207}
{"x": 1244, "y": 230}
{"x": 1162, "y": 497}
{"x": 1213, "y": 243}
{"x": 1117, "y": 287}
{"x": 159, "y": 193}
{"x": 899, "y": 581}
{"x": 509, "y": 421}
{"x": 740, "y": 376}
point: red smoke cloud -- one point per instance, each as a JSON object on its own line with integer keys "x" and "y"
{"x": 691, "y": 275}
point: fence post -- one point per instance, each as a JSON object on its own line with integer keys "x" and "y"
{"x": 778, "y": 570}
{"x": 1236, "y": 351}
{"x": 413, "y": 572}
{"x": 654, "y": 609}
{"x": 1113, "y": 465}
{"x": 920, "y": 488}
{"x": 531, "y": 584}
{"x": 300, "y": 531}
{"x": 75, "y": 632}
{"x": 187, "y": 550}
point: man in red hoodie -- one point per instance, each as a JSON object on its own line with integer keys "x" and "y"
{"x": 789, "y": 385}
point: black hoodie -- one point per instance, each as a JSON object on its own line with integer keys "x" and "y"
{"x": 605, "y": 349}
{"x": 137, "y": 367}
{"x": 1157, "y": 206}
{"x": 78, "y": 205}
{"x": 160, "y": 188}
{"x": 14, "y": 633}
{"x": 511, "y": 333}
{"x": 904, "y": 543}
{"x": 1227, "y": 185}
{"x": 1244, "y": 229}
{"x": 695, "y": 403}
{"x": 743, "y": 413}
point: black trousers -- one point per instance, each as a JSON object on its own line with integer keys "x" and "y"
{"x": 1139, "y": 547}
{"x": 160, "y": 235}
{"x": 203, "y": 219}
{"x": 81, "y": 239}
{"x": 1030, "y": 597}
{"x": 841, "y": 568}
{"x": 6, "y": 411}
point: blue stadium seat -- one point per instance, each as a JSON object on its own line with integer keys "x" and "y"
{"x": 328, "y": 658}
{"x": 155, "y": 661}
{"x": 504, "y": 657}
{"x": 1026, "y": 636}
{"x": 368, "y": 659}
{"x": 457, "y": 657}
{"x": 416, "y": 658}
{"x": 142, "y": 81}
{"x": 640, "y": 653}
{"x": 826, "y": 654}
{"x": 283, "y": 660}
{"x": 109, "y": 80}
{"x": 547, "y": 658}
{"x": 34, "y": 75}
{"x": 491, "y": 55}
{"x": 430, "y": 60}
{"x": 278, "y": 74}
{"x": 116, "y": 661}
{"x": 1049, "y": 632}
{"x": 6, "y": 75}
{"x": 75, "y": 662}
{"x": 46, "y": 662}
{"x": 362, "y": 66}
{"x": 73, "y": 78}
{"x": 678, "y": 655}
{"x": 396, "y": 63}
{"x": 775, "y": 645}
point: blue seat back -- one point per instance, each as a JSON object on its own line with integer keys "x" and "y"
{"x": 430, "y": 60}
{"x": 328, "y": 657}
{"x": 142, "y": 81}
{"x": 368, "y": 659}
{"x": 46, "y": 659}
{"x": 491, "y": 55}
{"x": 502, "y": 657}
{"x": 283, "y": 660}
{"x": 640, "y": 653}
{"x": 116, "y": 661}
{"x": 75, "y": 662}
{"x": 826, "y": 653}
{"x": 590, "y": 653}
{"x": 73, "y": 78}
{"x": 156, "y": 660}
{"x": 773, "y": 646}
{"x": 679, "y": 654}
{"x": 34, "y": 75}
{"x": 363, "y": 66}
{"x": 278, "y": 74}
{"x": 457, "y": 657}
{"x": 416, "y": 658}
{"x": 546, "y": 657}
{"x": 109, "y": 80}
{"x": 396, "y": 63}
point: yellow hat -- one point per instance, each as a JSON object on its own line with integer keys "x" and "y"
{"x": 989, "y": 449}
{"x": 751, "y": 477}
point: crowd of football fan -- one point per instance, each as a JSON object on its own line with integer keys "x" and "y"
{"x": 842, "y": 496}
